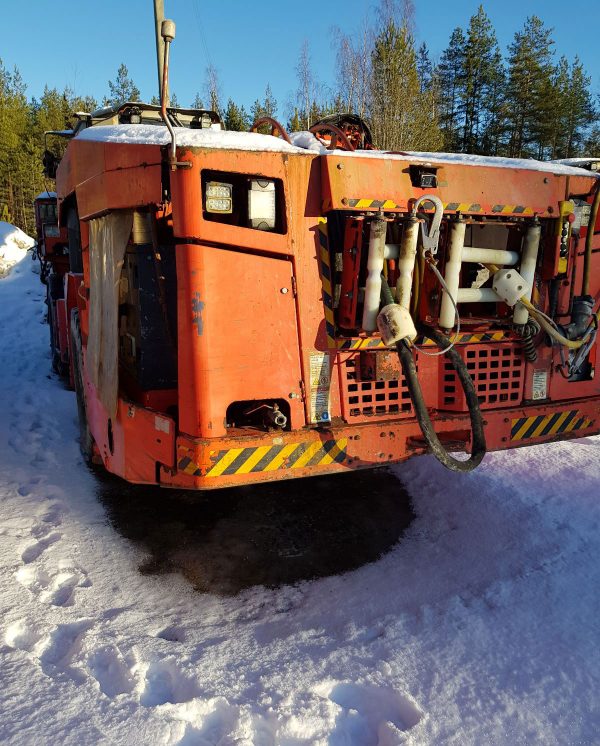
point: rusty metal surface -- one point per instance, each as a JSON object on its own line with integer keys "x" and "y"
{"x": 476, "y": 190}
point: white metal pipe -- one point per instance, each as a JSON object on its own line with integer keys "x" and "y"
{"x": 531, "y": 246}
{"x": 477, "y": 295}
{"x": 406, "y": 262}
{"x": 374, "y": 269}
{"x": 452, "y": 274}
{"x": 489, "y": 256}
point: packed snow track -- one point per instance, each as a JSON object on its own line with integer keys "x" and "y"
{"x": 316, "y": 613}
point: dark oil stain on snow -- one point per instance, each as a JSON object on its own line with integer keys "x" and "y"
{"x": 272, "y": 534}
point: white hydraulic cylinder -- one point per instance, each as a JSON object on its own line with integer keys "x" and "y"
{"x": 452, "y": 275}
{"x": 374, "y": 269}
{"x": 477, "y": 295}
{"x": 406, "y": 262}
{"x": 489, "y": 256}
{"x": 531, "y": 245}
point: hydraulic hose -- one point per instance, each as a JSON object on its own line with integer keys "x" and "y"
{"x": 414, "y": 387}
{"x": 544, "y": 321}
{"x": 587, "y": 260}
{"x": 572, "y": 344}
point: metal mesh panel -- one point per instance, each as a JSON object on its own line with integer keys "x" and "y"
{"x": 364, "y": 400}
{"x": 496, "y": 370}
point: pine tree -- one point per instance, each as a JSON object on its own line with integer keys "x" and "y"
{"x": 450, "y": 74}
{"x": 579, "y": 111}
{"x": 197, "y": 102}
{"x": 236, "y": 117}
{"x": 20, "y": 169}
{"x": 481, "y": 62}
{"x": 173, "y": 102}
{"x": 529, "y": 83}
{"x": 122, "y": 89}
{"x": 265, "y": 108}
{"x": 295, "y": 121}
{"x": 402, "y": 118}
{"x": 424, "y": 68}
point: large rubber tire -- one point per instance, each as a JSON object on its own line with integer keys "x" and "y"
{"x": 53, "y": 324}
{"x": 86, "y": 441}
{"x": 74, "y": 234}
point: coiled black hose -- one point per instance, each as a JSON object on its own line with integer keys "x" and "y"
{"x": 414, "y": 387}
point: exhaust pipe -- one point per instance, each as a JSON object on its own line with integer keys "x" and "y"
{"x": 159, "y": 17}
{"x": 167, "y": 31}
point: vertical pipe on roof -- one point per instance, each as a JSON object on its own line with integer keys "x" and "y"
{"x": 159, "y": 17}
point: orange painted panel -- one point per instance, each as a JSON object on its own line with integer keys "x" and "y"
{"x": 238, "y": 337}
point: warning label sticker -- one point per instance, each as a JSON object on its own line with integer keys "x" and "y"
{"x": 540, "y": 384}
{"x": 320, "y": 383}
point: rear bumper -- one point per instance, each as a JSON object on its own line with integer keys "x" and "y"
{"x": 244, "y": 459}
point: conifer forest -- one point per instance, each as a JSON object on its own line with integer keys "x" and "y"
{"x": 525, "y": 101}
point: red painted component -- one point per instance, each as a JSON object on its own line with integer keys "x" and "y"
{"x": 498, "y": 371}
{"x": 250, "y": 325}
{"x": 370, "y": 393}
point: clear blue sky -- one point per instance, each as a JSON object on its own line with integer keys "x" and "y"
{"x": 250, "y": 43}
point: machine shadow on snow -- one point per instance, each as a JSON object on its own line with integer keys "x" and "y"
{"x": 269, "y": 534}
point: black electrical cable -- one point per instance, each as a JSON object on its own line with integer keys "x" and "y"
{"x": 414, "y": 387}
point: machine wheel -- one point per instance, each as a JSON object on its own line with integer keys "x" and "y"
{"x": 276, "y": 129}
{"x": 54, "y": 292}
{"x": 86, "y": 441}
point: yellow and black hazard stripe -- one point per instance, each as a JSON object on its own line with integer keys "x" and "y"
{"x": 462, "y": 207}
{"x": 513, "y": 210}
{"x": 355, "y": 343}
{"x": 270, "y": 458}
{"x": 326, "y": 283}
{"x": 375, "y": 204}
{"x": 471, "y": 338}
{"x": 467, "y": 207}
{"x": 568, "y": 421}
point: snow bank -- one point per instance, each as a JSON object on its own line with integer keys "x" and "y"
{"x": 14, "y": 245}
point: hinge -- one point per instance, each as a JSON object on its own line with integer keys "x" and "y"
{"x": 294, "y": 290}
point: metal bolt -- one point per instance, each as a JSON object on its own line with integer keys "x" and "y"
{"x": 284, "y": 291}
{"x": 340, "y": 166}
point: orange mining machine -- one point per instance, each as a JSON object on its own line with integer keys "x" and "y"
{"x": 246, "y": 307}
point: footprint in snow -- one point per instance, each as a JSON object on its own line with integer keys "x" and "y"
{"x": 215, "y": 721}
{"x": 110, "y": 669}
{"x": 58, "y": 588}
{"x": 33, "y": 551}
{"x": 173, "y": 633}
{"x": 22, "y": 635}
{"x": 61, "y": 648}
{"x": 165, "y": 682}
{"x": 371, "y": 715}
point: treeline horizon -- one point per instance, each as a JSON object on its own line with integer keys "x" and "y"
{"x": 524, "y": 103}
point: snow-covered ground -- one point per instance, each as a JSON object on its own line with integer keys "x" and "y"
{"x": 13, "y": 246}
{"x": 481, "y": 625}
